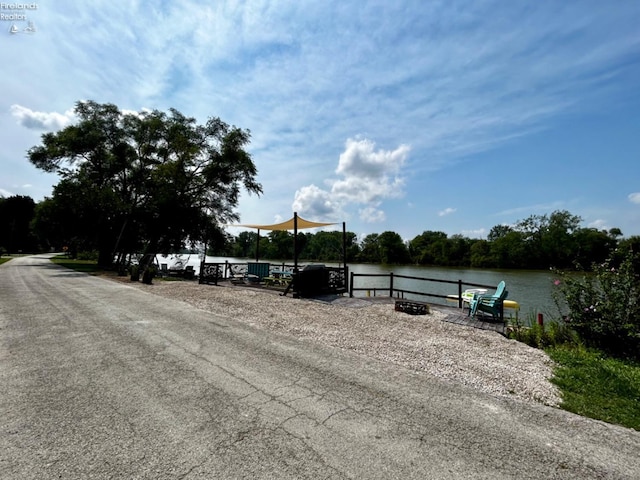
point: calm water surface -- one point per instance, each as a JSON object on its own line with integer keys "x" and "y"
{"x": 531, "y": 289}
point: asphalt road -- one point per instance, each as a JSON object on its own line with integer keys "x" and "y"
{"x": 101, "y": 380}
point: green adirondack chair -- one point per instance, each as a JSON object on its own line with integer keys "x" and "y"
{"x": 489, "y": 303}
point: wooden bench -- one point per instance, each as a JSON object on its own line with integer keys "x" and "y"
{"x": 412, "y": 307}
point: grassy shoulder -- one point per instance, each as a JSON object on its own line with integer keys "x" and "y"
{"x": 598, "y": 387}
{"x": 86, "y": 266}
{"x": 91, "y": 267}
{"x": 4, "y": 260}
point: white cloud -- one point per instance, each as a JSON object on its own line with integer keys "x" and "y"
{"x": 368, "y": 190}
{"x": 316, "y": 203}
{"x": 362, "y": 160}
{"x": 5, "y": 193}
{"x": 372, "y": 215}
{"x": 599, "y": 224}
{"x": 41, "y": 120}
{"x": 446, "y": 211}
{"x": 369, "y": 177}
{"x": 634, "y": 197}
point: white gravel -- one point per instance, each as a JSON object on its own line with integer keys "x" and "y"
{"x": 479, "y": 359}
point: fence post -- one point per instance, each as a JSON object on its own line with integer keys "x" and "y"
{"x": 391, "y": 284}
{"x": 459, "y": 293}
{"x": 346, "y": 277}
{"x": 540, "y": 320}
{"x": 351, "y": 286}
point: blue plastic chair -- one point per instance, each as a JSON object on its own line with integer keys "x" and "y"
{"x": 489, "y": 303}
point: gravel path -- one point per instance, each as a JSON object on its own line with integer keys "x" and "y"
{"x": 483, "y": 360}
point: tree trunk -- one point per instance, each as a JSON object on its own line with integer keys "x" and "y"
{"x": 104, "y": 257}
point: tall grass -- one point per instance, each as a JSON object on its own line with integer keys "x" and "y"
{"x": 597, "y": 386}
{"x": 87, "y": 266}
{"x": 541, "y": 336}
{"x": 592, "y": 384}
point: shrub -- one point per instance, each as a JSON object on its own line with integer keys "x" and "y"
{"x": 550, "y": 334}
{"x": 91, "y": 255}
{"x": 604, "y": 307}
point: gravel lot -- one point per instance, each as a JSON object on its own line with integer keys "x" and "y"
{"x": 483, "y": 360}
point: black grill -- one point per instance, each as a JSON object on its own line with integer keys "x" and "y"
{"x": 312, "y": 280}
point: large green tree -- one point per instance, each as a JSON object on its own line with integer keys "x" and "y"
{"x": 149, "y": 179}
{"x": 327, "y": 246}
{"x": 370, "y": 249}
{"x": 16, "y": 213}
{"x": 424, "y": 248}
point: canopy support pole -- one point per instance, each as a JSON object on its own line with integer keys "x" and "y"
{"x": 295, "y": 242}
{"x": 258, "y": 247}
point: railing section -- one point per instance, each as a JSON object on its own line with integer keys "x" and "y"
{"x": 212, "y": 273}
{"x": 338, "y": 277}
{"x": 394, "y": 291}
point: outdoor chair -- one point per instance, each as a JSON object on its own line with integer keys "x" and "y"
{"x": 489, "y": 303}
{"x": 189, "y": 272}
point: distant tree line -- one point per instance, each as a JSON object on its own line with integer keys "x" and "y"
{"x": 537, "y": 242}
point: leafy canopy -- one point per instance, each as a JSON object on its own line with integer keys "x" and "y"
{"x": 149, "y": 178}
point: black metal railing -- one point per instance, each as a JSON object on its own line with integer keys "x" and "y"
{"x": 212, "y": 273}
{"x": 394, "y": 291}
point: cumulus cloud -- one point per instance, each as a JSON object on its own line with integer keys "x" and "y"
{"x": 372, "y": 215}
{"x": 361, "y": 159}
{"x": 316, "y": 203}
{"x": 369, "y": 176}
{"x": 446, "y": 211}
{"x": 634, "y": 197}
{"x": 599, "y": 224}
{"x": 41, "y": 120}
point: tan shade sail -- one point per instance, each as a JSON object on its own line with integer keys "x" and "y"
{"x": 289, "y": 225}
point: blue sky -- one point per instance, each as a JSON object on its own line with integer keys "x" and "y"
{"x": 405, "y": 116}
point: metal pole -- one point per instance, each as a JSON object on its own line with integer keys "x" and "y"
{"x": 351, "y": 286}
{"x": 295, "y": 242}
{"x": 258, "y": 247}
{"x": 295, "y": 281}
{"x": 344, "y": 253}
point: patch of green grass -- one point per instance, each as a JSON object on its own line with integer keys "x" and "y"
{"x": 4, "y": 260}
{"x": 87, "y": 266}
{"x": 596, "y": 386}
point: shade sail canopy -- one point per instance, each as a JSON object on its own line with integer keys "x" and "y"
{"x": 289, "y": 224}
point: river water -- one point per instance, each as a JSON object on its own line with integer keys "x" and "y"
{"x": 532, "y": 289}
